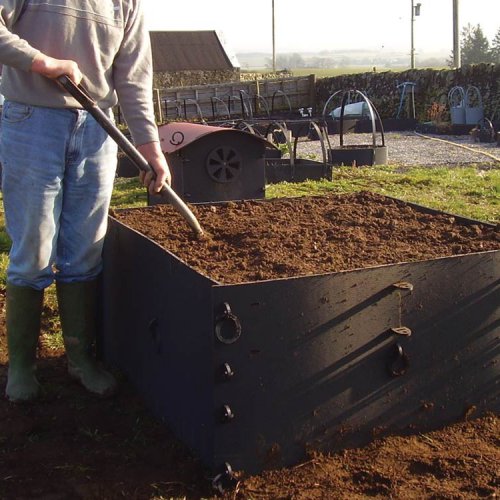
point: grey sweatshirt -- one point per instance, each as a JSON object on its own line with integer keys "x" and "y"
{"x": 108, "y": 40}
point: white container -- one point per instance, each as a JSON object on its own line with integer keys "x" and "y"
{"x": 354, "y": 109}
{"x": 474, "y": 110}
{"x": 456, "y": 99}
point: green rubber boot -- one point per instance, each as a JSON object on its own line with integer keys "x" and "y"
{"x": 78, "y": 310}
{"x": 23, "y": 316}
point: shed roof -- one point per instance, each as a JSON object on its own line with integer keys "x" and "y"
{"x": 190, "y": 50}
{"x": 177, "y": 135}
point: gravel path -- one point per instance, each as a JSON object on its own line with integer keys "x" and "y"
{"x": 409, "y": 149}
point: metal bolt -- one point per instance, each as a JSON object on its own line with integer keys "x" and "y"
{"x": 227, "y": 371}
{"x": 227, "y": 413}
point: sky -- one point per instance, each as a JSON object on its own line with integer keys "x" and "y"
{"x": 316, "y": 25}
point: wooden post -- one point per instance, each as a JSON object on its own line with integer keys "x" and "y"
{"x": 157, "y": 102}
{"x": 457, "y": 57}
{"x": 266, "y": 92}
{"x": 257, "y": 97}
{"x": 312, "y": 93}
{"x": 274, "y": 39}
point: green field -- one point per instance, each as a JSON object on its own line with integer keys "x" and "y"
{"x": 329, "y": 72}
{"x": 326, "y": 72}
{"x": 348, "y": 70}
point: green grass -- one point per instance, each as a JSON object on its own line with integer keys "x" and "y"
{"x": 331, "y": 72}
{"x": 468, "y": 191}
{"x": 4, "y": 239}
{"x": 4, "y": 260}
{"x": 128, "y": 193}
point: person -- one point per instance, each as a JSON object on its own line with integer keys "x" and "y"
{"x": 59, "y": 166}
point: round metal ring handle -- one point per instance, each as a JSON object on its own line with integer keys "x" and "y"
{"x": 399, "y": 363}
{"x": 225, "y": 480}
{"x": 227, "y": 317}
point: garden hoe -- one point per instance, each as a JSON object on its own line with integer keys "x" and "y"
{"x": 82, "y": 96}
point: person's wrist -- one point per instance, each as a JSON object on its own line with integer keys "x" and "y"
{"x": 39, "y": 63}
{"x": 151, "y": 150}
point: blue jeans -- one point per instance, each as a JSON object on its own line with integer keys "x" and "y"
{"x": 58, "y": 171}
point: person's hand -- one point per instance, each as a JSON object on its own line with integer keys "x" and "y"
{"x": 155, "y": 157}
{"x": 53, "y": 68}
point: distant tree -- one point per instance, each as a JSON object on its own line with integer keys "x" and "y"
{"x": 345, "y": 62}
{"x": 432, "y": 62}
{"x": 495, "y": 48}
{"x": 282, "y": 61}
{"x": 321, "y": 62}
{"x": 474, "y": 46}
{"x": 296, "y": 61}
{"x": 287, "y": 61}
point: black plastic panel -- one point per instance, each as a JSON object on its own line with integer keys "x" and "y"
{"x": 254, "y": 374}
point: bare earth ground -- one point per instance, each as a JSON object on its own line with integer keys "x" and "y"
{"x": 72, "y": 445}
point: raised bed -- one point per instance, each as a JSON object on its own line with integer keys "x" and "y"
{"x": 361, "y": 154}
{"x": 293, "y": 169}
{"x": 303, "y": 323}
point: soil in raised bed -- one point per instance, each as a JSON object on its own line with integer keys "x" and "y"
{"x": 281, "y": 238}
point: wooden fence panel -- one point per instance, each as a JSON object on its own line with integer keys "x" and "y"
{"x": 246, "y": 99}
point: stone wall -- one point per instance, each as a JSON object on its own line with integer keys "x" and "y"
{"x": 190, "y": 78}
{"x": 432, "y": 87}
{"x": 248, "y": 77}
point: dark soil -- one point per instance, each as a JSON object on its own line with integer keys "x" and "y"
{"x": 71, "y": 445}
{"x": 258, "y": 240}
